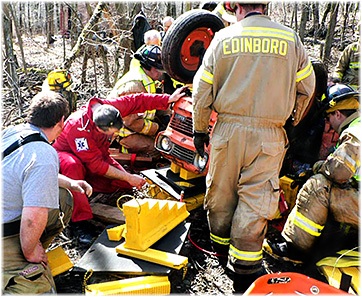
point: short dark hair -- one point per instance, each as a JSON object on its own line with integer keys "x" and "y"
{"x": 347, "y": 112}
{"x": 107, "y": 116}
{"x": 47, "y": 109}
{"x": 252, "y": 6}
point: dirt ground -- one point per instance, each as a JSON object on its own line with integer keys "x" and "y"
{"x": 205, "y": 274}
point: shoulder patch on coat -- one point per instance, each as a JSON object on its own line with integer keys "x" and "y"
{"x": 81, "y": 144}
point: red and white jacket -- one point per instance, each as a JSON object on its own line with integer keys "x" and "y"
{"x": 81, "y": 137}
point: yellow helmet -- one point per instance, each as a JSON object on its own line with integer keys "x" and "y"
{"x": 59, "y": 79}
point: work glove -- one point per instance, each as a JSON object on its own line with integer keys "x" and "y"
{"x": 200, "y": 140}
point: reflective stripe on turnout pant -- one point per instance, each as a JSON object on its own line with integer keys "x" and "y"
{"x": 243, "y": 188}
{"x": 316, "y": 199}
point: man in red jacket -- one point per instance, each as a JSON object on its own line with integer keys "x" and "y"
{"x": 84, "y": 142}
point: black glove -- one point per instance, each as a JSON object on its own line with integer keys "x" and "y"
{"x": 200, "y": 140}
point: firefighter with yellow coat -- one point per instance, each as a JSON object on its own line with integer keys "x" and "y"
{"x": 255, "y": 74}
{"x": 139, "y": 130}
{"x": 333, "y": 190}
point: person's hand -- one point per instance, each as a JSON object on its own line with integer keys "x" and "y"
{"x": 179, "y": 93}
{"x": 200, "y": 140}
{"x": 81, "y": 186}
{"x": 136, "y": 181}
{"x": 38, "y": 255}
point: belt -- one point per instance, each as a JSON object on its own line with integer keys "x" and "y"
{"x": 11, "y": 228}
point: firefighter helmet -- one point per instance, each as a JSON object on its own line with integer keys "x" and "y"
{"x": 338, "y": 93}
{"x": 59, "y": 79}
{"x": 149, "y": 56}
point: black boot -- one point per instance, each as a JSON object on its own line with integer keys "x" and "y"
{"x": 82, "y": 231}
{"x": 280, "y": 249}
{"x": 241, "y": 282}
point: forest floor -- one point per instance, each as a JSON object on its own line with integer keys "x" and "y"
{"x": 204, "y": 275}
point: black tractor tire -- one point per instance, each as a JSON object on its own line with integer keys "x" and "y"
{"x": 186, "y": 41}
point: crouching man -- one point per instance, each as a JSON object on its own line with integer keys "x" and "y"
{"x": 36, "y": 201}
{"x": 334, "y": 189}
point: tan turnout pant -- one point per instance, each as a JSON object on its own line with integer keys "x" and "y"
{"x": 20, "y": 276}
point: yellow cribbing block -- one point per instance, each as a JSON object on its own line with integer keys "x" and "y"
{"x": 148, "y": 220}
{"x": 156, "y": 285}
{"x": 115, "y": 233}
{"x": 155, "y": 256}
{"x": 175, "y": 168}
{"x": 186, "y": 175}
{"x": 290, "y": 194}
{"x": 58, "y": 261}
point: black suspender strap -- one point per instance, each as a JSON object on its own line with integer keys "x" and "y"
{"x": 22, "y": 141}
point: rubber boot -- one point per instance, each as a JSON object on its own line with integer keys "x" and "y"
{"x": 241, "y": 282}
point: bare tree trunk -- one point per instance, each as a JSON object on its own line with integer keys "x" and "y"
{"x": 346, "y": 8}
{"x": 295, "y": 17}
{"x": 284, "y": 13}
{"x": 85, "y": 32}
{"x": 304, "y": 20}
{"x": 188, "y": 6}
{"x": 84, "y": 67}
{"x": 10, "y": 62}
{"x": 330, "y": 32}
{"x": 355, "y": 13}
{"x": 316, "y": 25}
{"x": 103, "y": 54}
{"x": 74, "y": 33}
{"x": 49, "y": 23}
{"x": 171, "y": 9}
{"x": 18, "y": 35}
{"x": 126, "y": 44}
{"x": 326, "y": 12}
{"x": 28, "y": 19}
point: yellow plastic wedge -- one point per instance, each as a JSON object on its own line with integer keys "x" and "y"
{"x": 155, "y": 256}
{"x": 58, "y": 261}
{"x": 334, "y": 276}
{"x": 115, "y": 233}
{"x": 155, "y": 285}
{"x": 148, "y": 220}
{"x": 346, "y": 261}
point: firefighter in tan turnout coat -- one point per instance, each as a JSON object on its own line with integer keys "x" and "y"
{"x": 255, "y": 75}
{"x": 334, "y": 189}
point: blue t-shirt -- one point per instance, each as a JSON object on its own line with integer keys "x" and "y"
{"x": 29, "y": 174}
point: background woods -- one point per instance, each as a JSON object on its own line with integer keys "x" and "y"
{"x": 94, "y": 41}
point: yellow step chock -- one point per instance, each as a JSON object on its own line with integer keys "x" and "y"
{"x": 59, "y": 261}
{"x": 155, "y": 285}
{"x": 192, "y": 203}
{"x": 148, "y": 220}
{"x": 115, "y": 233}
{"x": 155, "y": 256}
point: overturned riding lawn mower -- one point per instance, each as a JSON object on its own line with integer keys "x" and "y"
{"x": 156, "y": 241}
